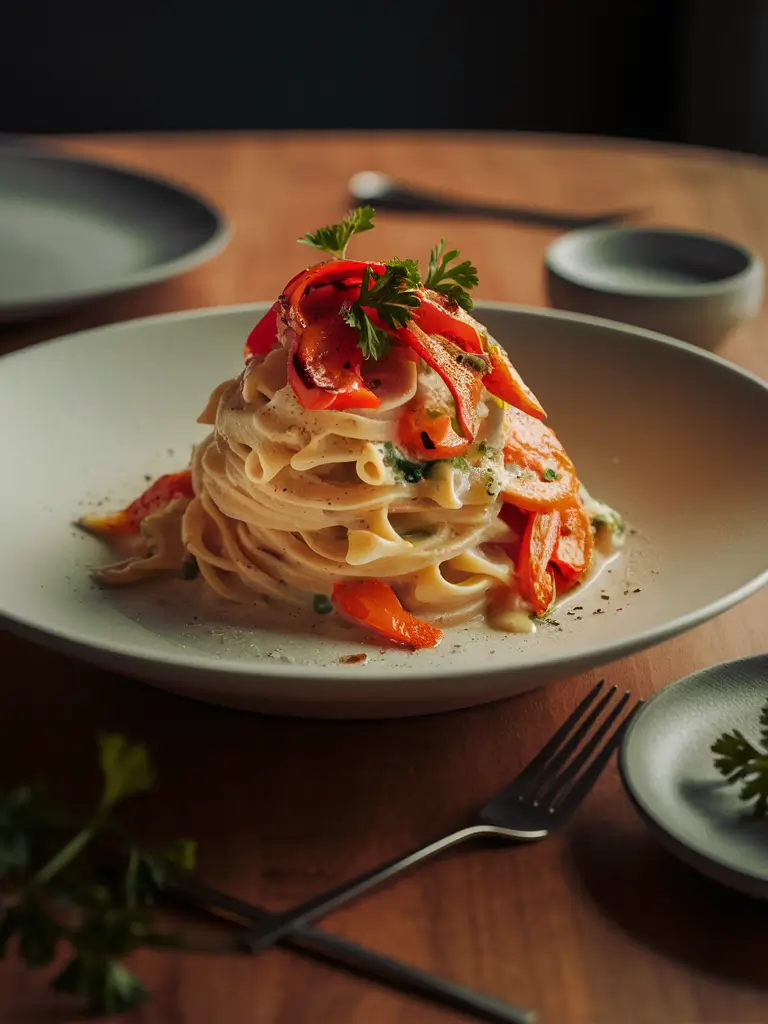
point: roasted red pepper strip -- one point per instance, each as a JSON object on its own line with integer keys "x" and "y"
{"x": 438, "y": 315}
{"x": 335, "y": 273}
{"x": 154, "y": 498}
{"x": 263, "y": 337}
{"x": 430, "y": 437}
{"x": 324, "y": 367}
{"x": 506, "y": 383}
{"x": 464, "y": 382}
{"x": 374, "y": 604}
{"x": 535, "y": 578}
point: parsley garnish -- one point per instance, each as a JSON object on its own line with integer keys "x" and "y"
{"x": 459, "y": 462}
{"x": 54, "y": 897}
{"x": 334, "y": 238}
{"x": 740, "y": 761}
{"x": 392, "y": 294}
{"x": 550, "y": 474}
{"x": 451, "y": 281}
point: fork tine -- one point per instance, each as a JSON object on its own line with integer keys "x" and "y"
{"x": 547, "y": 751}
{"x": 553, "y": 768}
{"x": 568, "y": 773}
{"x": 584, "y": 783}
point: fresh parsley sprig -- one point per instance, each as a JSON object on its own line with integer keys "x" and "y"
{"x": 741, "y": 761}
{"x": 451, "y": 281}
{"x": 334, "y": 238}
{"x": 53, "y": 896}
{"x": 392, "y": 295}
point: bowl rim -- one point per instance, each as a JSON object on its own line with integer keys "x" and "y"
{"x": 603, "y": 653}
{"x": 571, "y": 272}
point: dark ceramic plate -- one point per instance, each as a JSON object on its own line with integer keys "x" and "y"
{"x": 74, "y": 230}
{"x": 667, "y": 768}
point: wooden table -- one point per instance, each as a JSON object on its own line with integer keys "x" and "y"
{"x": 596, "y": 926}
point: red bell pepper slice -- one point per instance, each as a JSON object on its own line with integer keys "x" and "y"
{"x": 335, "y": 274}
{"x": 437, "y": 315}
{"x": 324, "y": 367}
{"x": 154, "y": 498}
{"x": 464, "y": 381}
{"x": 506, "y": 383}
{"x": 374, "y": 604}
{"x": 263, "y": 337}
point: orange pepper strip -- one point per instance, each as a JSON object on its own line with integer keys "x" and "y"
{"x": 506, "y": 383}
{"x": 374, "y": 604}
{"x": 464, "y": 382}
{"x": 573, "y": 551}
{"x": 155, "y": 497}
{"x": 543, "y": 476}
{"x": 535, "y": 578}
{"x": 430, "y": 437}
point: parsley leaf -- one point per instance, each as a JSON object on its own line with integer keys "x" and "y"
{"x": 53, "y": 896}
{"x": 740, "y": 761}
{"x": 550, "y": 474}
{"x": 334, "y": 238}
{"x": 451, "y": 281}
{"x": 392, "y": 295}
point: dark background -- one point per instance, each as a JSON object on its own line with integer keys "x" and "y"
{"x": 672, "y": 70}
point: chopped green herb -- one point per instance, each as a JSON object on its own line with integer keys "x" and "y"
{"x": 392, "y": 295}
{"x": 739, "y": 760}
{"x": 550, "y": 474}
{"x": 434, "y": 413}
{"x": 416, "y": 535}
{"x": 459, "y": 462}
{"x": 610, "y": 520}
{"x": 334, "y": 238}
{"x": 475, "y": 362}
{"x": 411, "y": 472}
{"x": 492, "y": 485}
{"x": 322, "y": 604}
{"x": 451, "y": 281}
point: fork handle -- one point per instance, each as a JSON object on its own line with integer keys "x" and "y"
{"x": 284, "y": 924}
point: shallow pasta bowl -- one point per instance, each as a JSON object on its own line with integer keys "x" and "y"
{"x": 669, "y": 435}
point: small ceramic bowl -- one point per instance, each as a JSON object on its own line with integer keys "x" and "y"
{"x": 687, "y": 285}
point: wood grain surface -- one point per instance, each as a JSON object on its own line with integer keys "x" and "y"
{"x": 596, "y": 926}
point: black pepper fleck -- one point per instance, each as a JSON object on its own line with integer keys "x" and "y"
{"x": 598, "y": 611}
{"x": 636, "y": 590}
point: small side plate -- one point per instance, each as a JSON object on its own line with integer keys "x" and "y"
{"x": 667, "y": 768}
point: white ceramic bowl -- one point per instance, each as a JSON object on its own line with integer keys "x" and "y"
{"x": 82, "y": 419}
{"x": 684, "y": 284}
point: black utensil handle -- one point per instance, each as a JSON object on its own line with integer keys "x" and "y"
{"x": 354, "y": 957}
{"x": 282, "y": 925}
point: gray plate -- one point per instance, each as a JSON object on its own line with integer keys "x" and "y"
{"x": 667, "y": 768}
{"x": 73, "y": 230}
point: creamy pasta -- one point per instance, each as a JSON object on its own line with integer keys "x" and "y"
{"x": 330, "y": 466}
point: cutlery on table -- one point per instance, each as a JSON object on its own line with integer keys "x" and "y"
{"x": 540, "y": 799}
{"x": 385, "y": 193}
{"x": 351, "y": 956}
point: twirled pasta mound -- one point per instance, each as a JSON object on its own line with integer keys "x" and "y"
{"x": 390, "y": 465}
{"x": 289, "y": 501}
